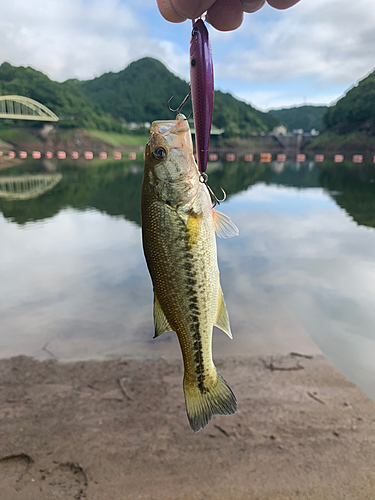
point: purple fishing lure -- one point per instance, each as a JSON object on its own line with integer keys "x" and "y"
{"x": 202, "y": 89}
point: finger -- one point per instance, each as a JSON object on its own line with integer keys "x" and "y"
{"x": 252, "y": 5}
{"x": 282, "y": 4}
{"x": 191, "y": 8}
{"x": 168, "y": 12}
{"x": 225, "y": 15}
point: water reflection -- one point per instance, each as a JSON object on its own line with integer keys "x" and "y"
{"x": 114, "y": 188}
{"x": 304, "y": 266}
{"x": 353, "y": 189}
{"x": 26, "y": 187}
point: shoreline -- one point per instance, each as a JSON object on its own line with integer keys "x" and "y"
{"x": 118, "y": 429}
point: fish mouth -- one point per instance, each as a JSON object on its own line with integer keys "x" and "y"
{"x": 175, "y": 134}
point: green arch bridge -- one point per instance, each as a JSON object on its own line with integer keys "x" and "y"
{"x": 16, "y": 107}
{"x": 25, "y": 187}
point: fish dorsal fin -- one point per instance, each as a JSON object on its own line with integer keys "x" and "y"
{"x": 160, "y": 321}
{"x": 224, "y": 227}
{"x": 222, "y": 318}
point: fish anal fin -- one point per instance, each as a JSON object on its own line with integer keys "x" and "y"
{"x": 224, "y": 227}
{"x": 193, "y": 228}
{"x": 160, "y": 321}
{"x": 222, "y": 318}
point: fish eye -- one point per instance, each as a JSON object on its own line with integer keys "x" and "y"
{"x": 194, "y": 32}
{"x": 159, "y": 153}
{"x": 193, "y": 62}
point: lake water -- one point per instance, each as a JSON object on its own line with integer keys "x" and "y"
{"x": 300, "y": 277}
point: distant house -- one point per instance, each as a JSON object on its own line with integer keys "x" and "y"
{"x": 133, "y": 126}
{"x": 214, "y": 130}
{"x": 279, "y": 130}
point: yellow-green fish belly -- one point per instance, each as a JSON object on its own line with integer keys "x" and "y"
{"x": 183, "y": 265}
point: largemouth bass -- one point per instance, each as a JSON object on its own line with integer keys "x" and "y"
{"x": 178, "y": 230}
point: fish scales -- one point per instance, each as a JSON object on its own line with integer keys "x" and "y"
{"x": 178, "y": 229}
{"x": 179, "y": 272}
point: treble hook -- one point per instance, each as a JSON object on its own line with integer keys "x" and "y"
{"x": 203, "y": 179}
{"x": 181, "y": 105}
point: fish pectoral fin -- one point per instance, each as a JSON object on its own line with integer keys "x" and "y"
{"x": 222, "y": 318}
{"x": 160, "y": 321}
{"x": 224, "y": 227}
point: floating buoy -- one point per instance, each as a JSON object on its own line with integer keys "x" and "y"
{"x": 88, "y": 155}
{"x": 248, "y": 157}
{"x": 265, "y": 157}
{"x": 319, "y": 158}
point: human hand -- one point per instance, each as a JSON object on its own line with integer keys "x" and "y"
{"x": 224, "y": 15}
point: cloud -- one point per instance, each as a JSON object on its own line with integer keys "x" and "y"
{"x": 331, "y": 42}
{"x": 312, "y": 52}
{"x": 79, "y": 39}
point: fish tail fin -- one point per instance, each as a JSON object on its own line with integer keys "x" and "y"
{"x": 203, "y": 403}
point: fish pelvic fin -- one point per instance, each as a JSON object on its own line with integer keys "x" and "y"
{"x": 222, "y": 318}
{"x": 203, "y": 403}
{"x": 160, "y": 321}
{"x": 224, "y": 227}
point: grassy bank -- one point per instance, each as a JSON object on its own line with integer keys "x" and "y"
{"x": 116, "y": 139}
{"x": 67, "y": 139}
{"x": 353, "y": 141}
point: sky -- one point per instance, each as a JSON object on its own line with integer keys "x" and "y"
{"x": 311, "y": 53}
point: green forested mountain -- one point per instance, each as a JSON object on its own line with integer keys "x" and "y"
{"x": 239, "y": 118}
{"x": 305, "y": 117}
{"x": 138, "y": 93}
{"x": 64, "y": 99}
{"x": 141, "y": 91}
{"x": 355, "y": 111}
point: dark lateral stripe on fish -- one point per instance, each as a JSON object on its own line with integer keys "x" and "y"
{"x": 197, "y": 345}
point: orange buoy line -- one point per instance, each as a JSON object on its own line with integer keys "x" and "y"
{"x": 213, "y": 157}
